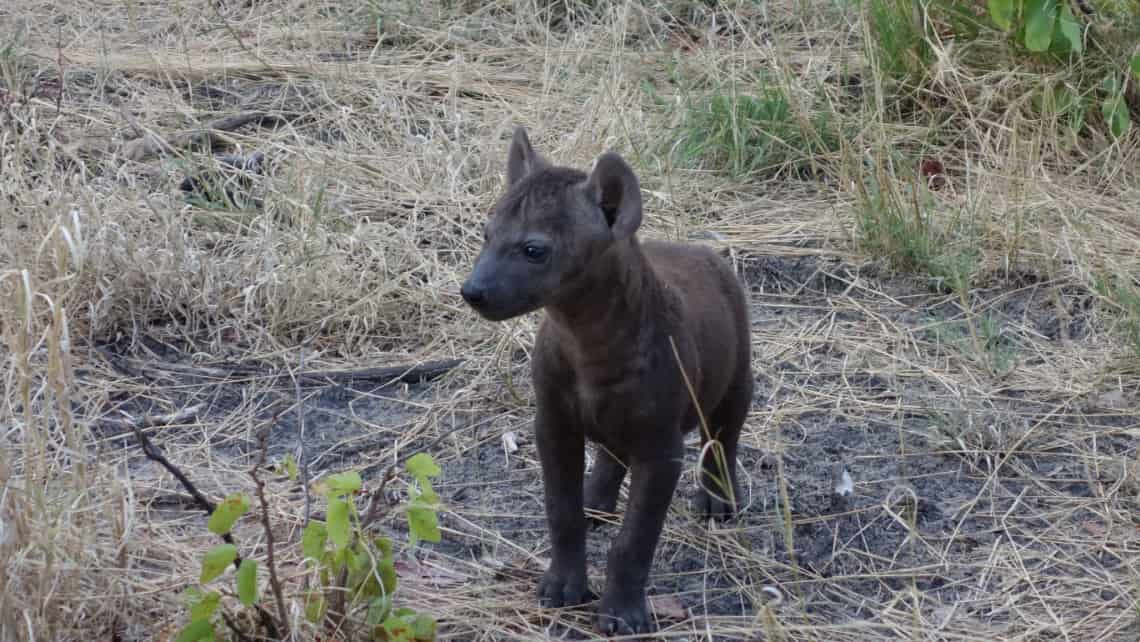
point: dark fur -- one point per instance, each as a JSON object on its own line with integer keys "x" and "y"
{"x": 604, "y": 368}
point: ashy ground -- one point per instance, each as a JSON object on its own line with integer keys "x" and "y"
{"x": 222, "y": 219}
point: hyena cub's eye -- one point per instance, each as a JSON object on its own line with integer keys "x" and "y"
{"x": 534, "y": 252}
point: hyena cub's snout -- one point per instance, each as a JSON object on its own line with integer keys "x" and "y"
{"x": 480, "y": 294}
{"x": 474, "y": 293}
{"x": 498, "y": 290}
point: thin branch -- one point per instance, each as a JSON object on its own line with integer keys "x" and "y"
{"x": 415, "y": 373}
{"x": 151, "y": 421}
{"x": 274, "y": 583}
{"x": 234, "y": 627}
{"x": 339, "y": 592}
{"x": 154, "y": 454}
{"x": 386, "y": 375}
{"x": 59, "y": 65}
{"x": 140, "y": 149}
{"x": 376, "y": 499}
{"x": 302, "y": 454}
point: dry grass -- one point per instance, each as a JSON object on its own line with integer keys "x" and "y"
{"x": 990, "y": 429}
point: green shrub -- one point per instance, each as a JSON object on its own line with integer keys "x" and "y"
{"x": 1082, "y": 63}
{"x": 355, "y": 570}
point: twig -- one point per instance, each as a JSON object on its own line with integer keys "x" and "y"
{"x": 339, "y": 591}
{"x": 150, "y": 421}
{"x": 152, "y": 452}
{"x": 376, "y": 498}
{"x": 414, "y": 373}
{"x": 140, "y": 149}
{"x": 302, "y": 454}
{"x": 234, "y": 627}
{"x": 59, "y": 65}
{"x": 274, "y": 583}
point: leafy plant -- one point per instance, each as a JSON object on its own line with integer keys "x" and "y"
{"x": 1100, "y": 61}
{"x": 356, "y": 572}
{"x": 1050, "y": 26}
{"x": 1123, "y": 292}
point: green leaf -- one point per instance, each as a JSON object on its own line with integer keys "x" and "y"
{"x": 344, "y": 483}
{"x": 1110, "y": 85}
{"x": 421, "y": 466}
{"x": 216, "y": 561}
{"x": 1115, "y": 111}
{"x": 378, "y": 610}
{"x": 191, "y": 596}
{"x": 338, "y": 559}
{"x": 359, "y": 565}
{"x": 397, "y": 629}
{"x": 387, "y": 568}
{"x": 196, "y": 631}
{"x": 203, "y": 607}
{"x": 423, "y": 524}
{"x": 338, "y": 522}
{"x": 247, "y": 581}
{"x": 423, "y": 627}
{"x": 1039, "y": 18}
{"x": 289, "y": 463}
{"x": 384, "y": 545}
{"x": 1001, "y": 12}
{"x": 1134, "y": 64}
{"x": 313, "y": 540}
{"x": 314, "y": 607}
{"x": 387, "y": 564}
{"x": 1068, "y": 30}
{"x": 226, "y": 513}
{"x": 426, "y": 495}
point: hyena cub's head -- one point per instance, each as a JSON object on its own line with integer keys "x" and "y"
{"x": 547, "y": 229}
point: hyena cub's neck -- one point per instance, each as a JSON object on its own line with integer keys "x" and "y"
{"x": 615, "y": 306}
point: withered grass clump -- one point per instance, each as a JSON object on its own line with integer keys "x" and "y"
{"x": 944, "y": 291}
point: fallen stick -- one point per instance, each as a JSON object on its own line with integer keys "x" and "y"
{"x": 417, "y": 373}
{"x": 142, "y": 148}
{"x": 150, "y": 421}
{"x": 414, "y": 373}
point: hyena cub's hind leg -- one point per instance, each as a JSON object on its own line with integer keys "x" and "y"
{"x": 726, "y": 421}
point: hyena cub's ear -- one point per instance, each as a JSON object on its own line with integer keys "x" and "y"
{"x": 522, "y": 159}
{"x": 614, "y": 188}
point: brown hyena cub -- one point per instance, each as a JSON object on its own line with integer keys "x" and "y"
{"x": 619, "y": 315}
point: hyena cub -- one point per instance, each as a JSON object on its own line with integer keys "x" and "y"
{"x": 622, "y": 318}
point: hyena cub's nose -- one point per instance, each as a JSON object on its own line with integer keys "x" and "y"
{"x": 473, "y": 294}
